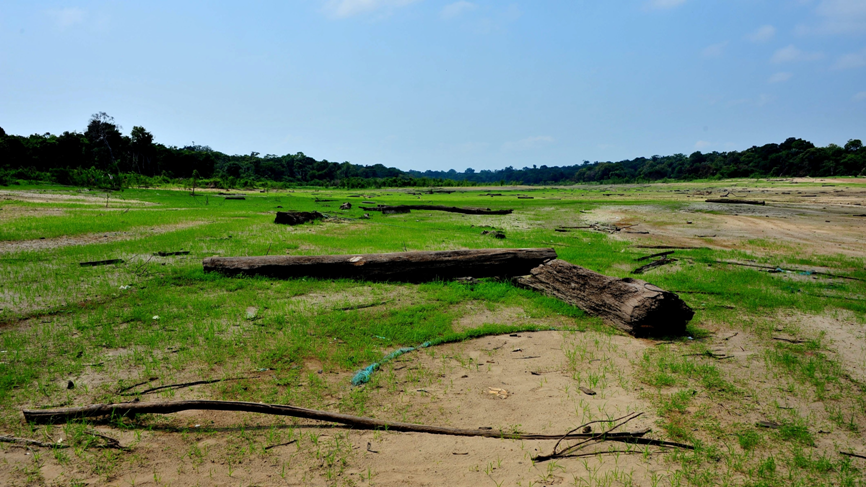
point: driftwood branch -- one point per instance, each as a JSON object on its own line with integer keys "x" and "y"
{"x": 100, "y": 262}
{"x": 166, "y": 254}
{"x": 29, "y": 442}
{"x": 631, "y": 305}
{"x": 450, "y": 209}
{"x": 110, "y": 442}
{"x": 773, "y": 268}
{"x": 653, "y": 265}
{"x": 57, "y": 416}
{"x": 399, "y": 266}
{"x": 653, "y": 256}
{"x": 665, "y": 247}
{"x": 737, "y": 202}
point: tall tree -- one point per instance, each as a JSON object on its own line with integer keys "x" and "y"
{"x": 104, "y": 134}
{"x": 141, "y": 142}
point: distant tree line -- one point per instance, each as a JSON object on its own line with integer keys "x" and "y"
{"x": 103, "y": 156}
{"x": 792, "y": 158}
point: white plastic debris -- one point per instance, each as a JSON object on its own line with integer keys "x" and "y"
{"x": 156, "y": 317}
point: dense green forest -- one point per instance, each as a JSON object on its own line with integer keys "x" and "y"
{"x": 793, "y": 157}
{"x": 102, "y": 156}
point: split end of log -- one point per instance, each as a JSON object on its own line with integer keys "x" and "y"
{"x": 631, "y": 305}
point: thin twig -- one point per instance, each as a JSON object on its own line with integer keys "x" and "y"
{"x": 181, "y": 386}
{"x": 594, "y": 437}
{"x": 584, "y": 425}
{"x": 851, "y": 454}
{"x": 600, "y": 435}
{"x": 121, "y": 391}
{"x": 281, "y": 444}
{"x": 29, "y": 442}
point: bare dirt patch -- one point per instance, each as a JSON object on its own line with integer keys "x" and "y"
{"x": 813, "y": 229}
{"x": 845, "y": 338}
{"x": 449, "y": 385}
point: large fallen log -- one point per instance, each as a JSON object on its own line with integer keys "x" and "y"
{"x": 631, "y": 305}
{"x": 399, "y": 266}
{"x": 450, "y": 209}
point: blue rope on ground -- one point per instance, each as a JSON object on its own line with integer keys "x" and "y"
{"x": 363, "y": 375}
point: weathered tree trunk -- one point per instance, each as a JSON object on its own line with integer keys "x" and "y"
{"x": 400, "y": 266}
{"x": 737, "y": 202}
{"x": 634, "y": 306}
{"x": 450, "y": 209}
{"x": 297, "y": 217}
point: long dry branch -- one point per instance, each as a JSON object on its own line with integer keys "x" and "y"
{"x": 57, "y": 416}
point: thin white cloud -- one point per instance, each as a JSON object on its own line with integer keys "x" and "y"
{"x": 350, "y": 8}
{"x": 528, "y": 143}
{"x": 842, "y": 16}
{"x": 779, "y": 77}
{"x": 457, "y": 9}
{"x": 763, "y": 34}
{"x": 715, "y": 50}
{"x": 665, "y": 4}
{"x": 860, "y": 96}
{"x": 499, "y": 19}
{"x": 792, "y": 54}
{"x": 764, "y": 99}
{"x": 67, "y": 17}
{"x": 851, "y": 60}
{"x": 702, "y": 144}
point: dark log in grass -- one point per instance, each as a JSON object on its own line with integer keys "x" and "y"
{"x": 674, "y": 247}
{"x": 100, "y": 262}
{"x": 731, "y": 201}
{"x": 399, "y": 266}
{"x": 297, "y": 217}
{"x": 450, "y": 209}
{"x": 631, "y": 305}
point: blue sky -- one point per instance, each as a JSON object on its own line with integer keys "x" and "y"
{"x": 429, "y": 84}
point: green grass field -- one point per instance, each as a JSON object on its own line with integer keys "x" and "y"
{"x": 109, "y": 327}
